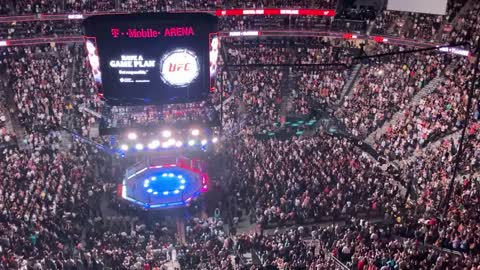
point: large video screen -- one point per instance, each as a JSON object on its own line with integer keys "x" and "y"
{"x": 158, "y": 58}
{"x": 438, "y": 7}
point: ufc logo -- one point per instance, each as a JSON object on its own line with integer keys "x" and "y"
{"x": 178, "y": 67}
{"x": 115, "y": 32}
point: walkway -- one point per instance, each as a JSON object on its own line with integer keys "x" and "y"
{"x": 430, "y": 87}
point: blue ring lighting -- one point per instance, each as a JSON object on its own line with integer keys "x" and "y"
{"x": 181, "y": 184}
{"x": 157, "y": 189}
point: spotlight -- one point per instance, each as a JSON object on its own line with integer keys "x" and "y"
{"x": 171, "y": 141}
{"x": 166, "y": 133}
{"x": 182, "y": 187}
{"x": 191, "y": 142}
{"x": 203, "y": 142}
{"x": 165, "y": 193}
{"x": 139, "y": 146}
{"x": 176, "y": 191}
{"x": 195, "y": 132}
{"x": 164, "y": 175}
{"x": 124, "y": 147}
{"x": 166, "y": 144}
{"x": 146, "y": 183}
{"x": 132, "y": 136}
{"x": 154, "y": 144}
{"x": 214, "y": 140}
{"x": 171, "y": 175}
{"x": 179, "y": 144}
{"x": 182, "y": 181}
{"x": 155, "y": 193}
{"x": 149, "y": 190}
{"x": 153, "y": 178}
{"x": 180, "y": 176}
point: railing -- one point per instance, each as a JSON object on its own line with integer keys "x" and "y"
{"x": 320, "y": 249}
{"x": 135, "y": 168}
{"x": 164, "y": 161}
{"x": 89, "y": 141}
{"x": 436, "y": 248}
{"x": 227, "y": 34}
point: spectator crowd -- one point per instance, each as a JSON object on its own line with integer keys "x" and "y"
{"x": 316, "y": 201}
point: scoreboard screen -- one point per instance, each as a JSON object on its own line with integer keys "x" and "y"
{"x": 157, "y": 58}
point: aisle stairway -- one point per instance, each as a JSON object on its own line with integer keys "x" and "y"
{"x": 14, "y": 123}
{"x": 430, "y": 87}
{"x": 407, "y": 24}
{"x": 464, "y": 9}
{"x": 5, "y": 111}
{"x": 287, "y": 85}
{"x": 171, "y": 265}
{"x": 406, "y": 163}
{"x": 350, "y": 83}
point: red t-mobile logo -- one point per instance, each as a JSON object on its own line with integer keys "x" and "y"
{"x": 115, "y": 32}
{"x": 178, "y": 67}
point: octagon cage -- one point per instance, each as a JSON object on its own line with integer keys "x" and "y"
{"x": 164, "y": 182}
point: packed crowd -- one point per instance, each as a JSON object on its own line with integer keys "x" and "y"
{"x": 323, "y": 178}
{"x": 427, "y": 27}
{"x": 245, "y": 23}
{"x": 424, "y": 27}
{"x": 438, "y": 114}
{"x": 132, "y": 116}
{"x": 289, "y": 50}
{"x": 51, "y": 214}
{"x": 389, "y": 23}
{"x": 419, "y": 26}
{"x": 467, "y": 28}
{"x": 310, "y": 179}
{"x": 359, "y": 244}
{"x": 259, "y": 94}
{"x": 89, "y": 6}
{"x": 369, "y": 246}
{"x": 430, "y": 173}
{"x": 50, "y": 87}
{"x": 388, "y": 86}
{"x": 5, "y": 10}
{"x": 46, "y": 196}
{"x": 311, "y": 85}
{"x": 26, "y": 29}
{"x": 294, "y": 195}
{"x": 38, "y": 77}
{"x": 35, "y": 29}
{"x": 22, "y": 7}
{"x": 58, "y": 28}
{"x": 316, "y": 88}
{"x": 326, "y": 4}
{"x": 127, "y": 243}
{"x": 6, "y": 136}
{"x": 84, "y": 104}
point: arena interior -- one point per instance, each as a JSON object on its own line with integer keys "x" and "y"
{"x": 322, "y": 135}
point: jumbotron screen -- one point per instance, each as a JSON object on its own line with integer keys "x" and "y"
{"x": 157, "y": 58}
